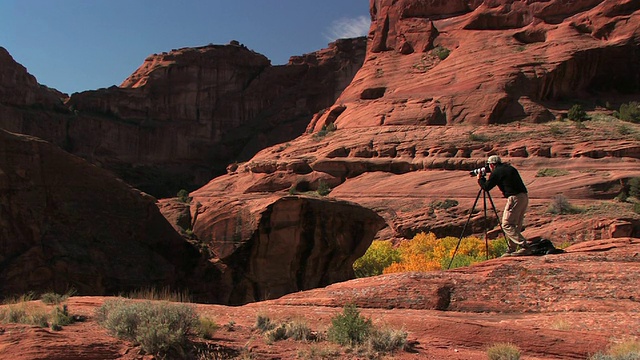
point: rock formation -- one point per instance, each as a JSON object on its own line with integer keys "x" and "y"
{"x": 489, "y": 62}
{"x": 273, "y": 246}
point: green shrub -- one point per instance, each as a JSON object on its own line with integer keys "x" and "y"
{"x": 622, "y": 197}
{"x": 555, "y": 130}
{"x": 206, "y": 328}
{"x": 561, "y": 206}
{"x": 349, "y": 328}
{"x": 441, "y": 52}
{"x": 636, "y": 208}
{"x": 298, "y": 330}
{"x": 157, "y": 327}
{"x": 478, "y": 137}
{"x": 23, "y": 310}
{"x": 326, "y": 130}
{"x": 264, "y": 323}
{"x": 547, "y": 172}
{"x": 183, "y": 196}
{"x": 277, "y": 333}
{"x": 52, "y": 298}
{"x": 323, "y": 188}
{"x": 444, "y": 204}
{"x": 576, "y": 113}
{"x": 629, "y": 112}
{"x": 503, "y": 351}
{"x": 634, "y": 187}
{"x": 624, "y": 129}
{"x": 380, "y": 255}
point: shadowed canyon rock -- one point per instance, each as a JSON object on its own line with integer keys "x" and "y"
{"x": 67, "y": 224}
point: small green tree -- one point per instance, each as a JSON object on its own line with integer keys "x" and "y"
{"x": 576, "y": 113}
{"x": 350, "y": 328}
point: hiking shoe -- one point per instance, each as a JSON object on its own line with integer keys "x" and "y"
{"x": 523, "y": 252}
{"x": 507, "y": 254}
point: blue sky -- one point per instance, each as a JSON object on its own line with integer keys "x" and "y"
{"x": 76, "y": 45}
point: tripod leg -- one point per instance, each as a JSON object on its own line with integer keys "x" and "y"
{"x": 465, "y": 227}
{"x": 498, "y": 217}
{"x": 486, "y": 224}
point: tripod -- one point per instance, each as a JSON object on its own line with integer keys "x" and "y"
{"x": 485, "y": 195}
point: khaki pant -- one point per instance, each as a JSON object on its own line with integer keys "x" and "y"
{"x": 512, "y": 219}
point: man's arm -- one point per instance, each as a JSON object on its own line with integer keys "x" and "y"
{"x": 487, "y": 184}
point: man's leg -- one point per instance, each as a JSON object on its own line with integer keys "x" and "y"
{"x": 512, "y": 219}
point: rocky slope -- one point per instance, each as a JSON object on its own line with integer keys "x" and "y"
{"x": 566, "y": 306}
{"x": 260, "y": 231}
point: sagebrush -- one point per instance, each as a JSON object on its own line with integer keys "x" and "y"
{"x": 158, "y": 327}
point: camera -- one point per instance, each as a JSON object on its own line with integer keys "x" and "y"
{"x": 482, "y": 171}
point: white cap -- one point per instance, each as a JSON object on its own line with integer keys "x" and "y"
{"x": 494, "y": 159}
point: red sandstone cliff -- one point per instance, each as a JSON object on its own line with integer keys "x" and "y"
{"x": 507, "y": 61}
{"x": 183, "y": 116}
{"x": 192, "y": 111}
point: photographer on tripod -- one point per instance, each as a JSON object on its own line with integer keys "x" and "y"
{"x": 508, "y": 180}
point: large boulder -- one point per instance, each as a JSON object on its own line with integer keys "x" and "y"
{"x": 273, "y": 245}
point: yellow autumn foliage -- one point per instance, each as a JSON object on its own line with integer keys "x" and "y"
{"x": 425, "y": 252}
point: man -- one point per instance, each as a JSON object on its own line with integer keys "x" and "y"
{"x": 510, "y": 183}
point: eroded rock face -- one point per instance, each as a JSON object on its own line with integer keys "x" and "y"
{"x": 67, "y": 224}
{"x": 489, "y": 62}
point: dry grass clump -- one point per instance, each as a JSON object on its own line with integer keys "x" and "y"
{"x": 25, "y": 310}
{"x": 503, "y": 351}
{"x": 560, "y": 206}
{"x": 163, "y": 294}
{"x": 628, "y": 349}
{"x": 296, "y": 329}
